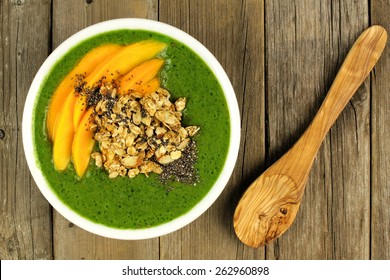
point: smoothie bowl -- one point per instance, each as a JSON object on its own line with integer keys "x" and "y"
{"x": 131, "y": 129}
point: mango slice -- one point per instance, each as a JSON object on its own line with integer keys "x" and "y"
{"x": 119, "y": 64}
{"x": 84, "y": 67}
{"x": 63, "y": 138}
{"x": 149, "y": 87}
{"x": 83, "y": 143}
{"x": 140, "y": 75}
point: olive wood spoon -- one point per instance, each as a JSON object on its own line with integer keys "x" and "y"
{"x": 269, "y": 206}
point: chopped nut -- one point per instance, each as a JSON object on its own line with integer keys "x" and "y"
{"x": 117, "y": 131}
{"x": 146, "y": 120}
{"x": 104, "y": 144}
{"x": 93, "y": 127}
{"x": 110, "y": 128}
{"x": 163, "y": 92}
{"x": 160, "y": 131}
{"x": 150, "y": 106}
{"x": 103, "y": 106}
{"x": 150, "y": 166}
{"x": 141, "y": 146}
{"x": 135, "y": 106}
{"x": 110, "y": 155}
{"x": 165, "y": 159}
{"x": 149, "y": 153}
{"x": 113, "y": 174}
{"x": 98, "y": 106}
{"x": 168, "y": 118}
{"x": 175, "y": 155}
{"x": 132, "y": 151}
{"x": 152, "y": 143}
{"x": 170, "y": 136}
{"x": 147, "y": 167}
{"x": 183, "y": 132}
{"x": 120, "y": 152}
{"x": 149, "y": 132}
{"x": 137, "y": 118}
{"x": 113, "y": 93}
{"x": 160, "y": 152}
{"x": 130, "y": 161}
{"x": 183, "y": 144}
{"x": 135, "y": 129}
{"x": 130, "y": 139}
{"x": 122, "y": 171}
{"x": 141, "y": 155}
{"x": 98, "y": 159}
{"x": 170, "y": 148}
{"x": 117, "y": 146}
{"x": 133, "y": 172}
{"x": 180, "y": 104}
{"x": 157, "y": 169}
{"x": 192, "y": 130}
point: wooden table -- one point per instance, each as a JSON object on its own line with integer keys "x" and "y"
{"x": 281, "y": 57}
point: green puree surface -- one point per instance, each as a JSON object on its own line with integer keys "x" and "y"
{"x": 142, "y": 201}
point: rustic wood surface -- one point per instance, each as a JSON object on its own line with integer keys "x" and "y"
{"x": 281, "y": 57}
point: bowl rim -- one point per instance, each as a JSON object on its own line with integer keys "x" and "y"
{"x": 235, "y": 129}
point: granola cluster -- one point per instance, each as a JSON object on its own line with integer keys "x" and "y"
{"x": 138, "y": 135}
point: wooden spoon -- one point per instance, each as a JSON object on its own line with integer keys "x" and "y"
{"x": 269, "y": 206}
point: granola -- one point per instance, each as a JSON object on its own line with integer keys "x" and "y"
{"x": 138, "y": 135}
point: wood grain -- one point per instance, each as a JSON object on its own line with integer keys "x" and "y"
{"x": 292, "y": 100}
{"x": 350, "y": 141}
{"x": 25, "y": 216}
{"x": 380, "y": 145}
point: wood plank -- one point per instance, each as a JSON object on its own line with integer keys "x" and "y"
{"x": 71, "y": 242}
{"x": 73, "y": 15}
{"x": 233, "y": 32}
{"x": 306, "y": 43}
{"x": 380, "y": 146}
{"x": 25, "y": 216}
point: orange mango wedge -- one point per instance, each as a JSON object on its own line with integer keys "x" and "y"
{"x": 140, "y": 75}
{"x": 149, "y": 87}
{"x": 63, "y": 138}
{"x": 83, "y": 143}
{"x": 66, "y": 87}
{"x": 117, "y": 65}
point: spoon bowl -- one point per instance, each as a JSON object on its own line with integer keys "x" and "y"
{"x": 270, "y": 204}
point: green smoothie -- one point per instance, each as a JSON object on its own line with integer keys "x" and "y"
{"x": 142, "y": 201}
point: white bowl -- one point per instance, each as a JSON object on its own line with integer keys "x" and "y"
{"x": 200, "y": 207}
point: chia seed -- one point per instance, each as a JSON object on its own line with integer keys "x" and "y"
{"x": 110, "y": 104}
{"x": 94, "y": 97}
{"x": 2, "y": 134}
{"x": 80, "y": 84}
{"x": 183, "y": 169}
{"x": 143, "y": 113}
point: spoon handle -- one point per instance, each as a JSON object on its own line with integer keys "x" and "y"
{"x": 356, "y": 67}
{"x": 359, "y": 62}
